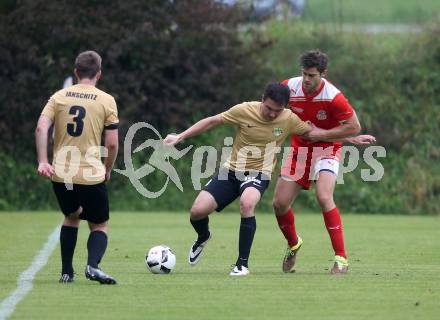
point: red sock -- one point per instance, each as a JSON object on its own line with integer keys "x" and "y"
{"x": 286, "y": 222}
{"x": 333, "y": 224}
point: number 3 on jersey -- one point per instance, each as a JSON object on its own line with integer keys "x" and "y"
{"x": 75, "y": 129}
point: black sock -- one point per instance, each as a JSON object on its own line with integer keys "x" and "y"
{"x": 202, "y": 229}
{"x": 247, "y": 231}
{"x": 96, "y": 245}
{"x": 68, "y": 236}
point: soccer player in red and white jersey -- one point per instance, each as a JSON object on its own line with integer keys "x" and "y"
{"x": 316, "y": 156}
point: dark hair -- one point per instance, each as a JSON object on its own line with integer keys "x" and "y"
{"x": 314, "y": 58}
{"x": 87, "y": 64}
{"x": 278, "y": 92}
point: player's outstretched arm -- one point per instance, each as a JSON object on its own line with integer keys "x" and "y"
{"x": 196, "y": 129}
{"x": 348, "y": 128}
{"x": 361, "y": 139}
{"x": 41, "y": 140}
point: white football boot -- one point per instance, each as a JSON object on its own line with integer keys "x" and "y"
{"x": 196, "y": 250}
{"x": 239, "y": 271}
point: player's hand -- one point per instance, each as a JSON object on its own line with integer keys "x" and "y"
{"x": 171, "y": 139}
{"x": 315, "y": 134}
{"x": 45, "y": 169}
{"x": 362, "y": 139}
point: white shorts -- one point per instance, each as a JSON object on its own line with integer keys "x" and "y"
{"x": 329, "y": 164}
{"x": 326, "y": 164}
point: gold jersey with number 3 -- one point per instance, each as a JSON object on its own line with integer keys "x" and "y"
{"x": 80, "y": 114}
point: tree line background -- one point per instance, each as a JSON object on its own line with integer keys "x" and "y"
{"x": 170, "y": 63}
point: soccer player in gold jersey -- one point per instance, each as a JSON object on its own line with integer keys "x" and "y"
{"x": 262, "y": 126}
{"x": 80, "y": 115}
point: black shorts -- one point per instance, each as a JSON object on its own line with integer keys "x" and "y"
{"x": 232, "y": 186}
{"x": 92, "y": 198}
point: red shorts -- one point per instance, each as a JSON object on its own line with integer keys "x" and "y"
{"x": 300, "y": 161}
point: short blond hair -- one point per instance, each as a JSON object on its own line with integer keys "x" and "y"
{"x": 87, "y": 64}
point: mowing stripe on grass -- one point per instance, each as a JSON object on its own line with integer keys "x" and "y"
{"x": 24, "y": 281}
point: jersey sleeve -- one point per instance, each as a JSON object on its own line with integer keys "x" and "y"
{"x": 49, "y": 109}
{"x": 342, "y": 110}
{"x": 234, "y": 115}
{"x": 111, "y": 115}
{"x": 297, "y": 126}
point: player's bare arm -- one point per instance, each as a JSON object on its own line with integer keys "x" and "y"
{"x": 111, "y": 144}
{"x": 45, "y": 169}
{"x": 311, "y": 129}
{"x": 358, "y": 140}
{"x": 348, "y": 128}
{"x": 361, "y": 139}
{"x": 196, "y": 129}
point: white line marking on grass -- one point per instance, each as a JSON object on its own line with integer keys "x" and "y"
{"x": 24, "y": 281}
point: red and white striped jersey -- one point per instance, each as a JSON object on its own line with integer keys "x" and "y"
{"x": 326, "y": 108}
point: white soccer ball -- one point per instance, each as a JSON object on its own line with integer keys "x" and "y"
{"x": 160, "y": 259}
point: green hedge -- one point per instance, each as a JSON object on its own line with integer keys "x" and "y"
{"x": 392, "y": 81}
{"x": 394, "y": 84}
{"x": 163, "y": 61}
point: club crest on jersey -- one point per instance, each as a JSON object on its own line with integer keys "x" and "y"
{"x": 277, "y": 132}
{"x": 321, "y": 115}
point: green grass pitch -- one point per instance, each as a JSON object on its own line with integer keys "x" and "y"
{"x": 394, "y": 271}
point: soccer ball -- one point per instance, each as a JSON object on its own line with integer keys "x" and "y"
{"x": 160, "y": 259}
